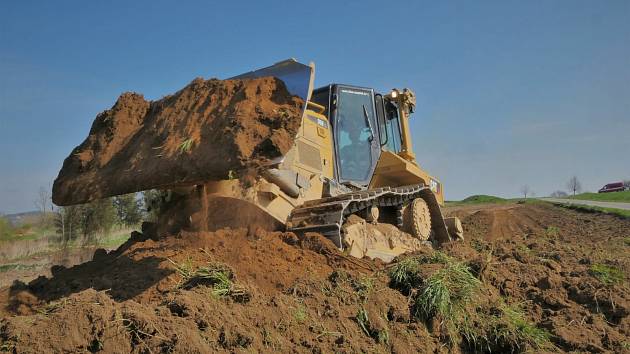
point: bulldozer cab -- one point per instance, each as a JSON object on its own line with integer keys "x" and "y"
{"x": 352, "y": 114}
{"x": 363, "y": 123}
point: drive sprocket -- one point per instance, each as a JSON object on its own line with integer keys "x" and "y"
{"x": 417, "y": 219}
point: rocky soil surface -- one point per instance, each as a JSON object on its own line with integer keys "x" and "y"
{"x": 529, "y": 277}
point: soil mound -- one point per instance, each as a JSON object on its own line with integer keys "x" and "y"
{"x": 286, "y": 294}
{"x": 547, "y": 280}
{"x": 568, "y": 270}
{"x": 207, "y": 130}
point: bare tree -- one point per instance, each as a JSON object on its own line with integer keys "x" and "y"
{"x": 525, "y": 190}
{"x": 574, "y": 185}
{"x": 559, "y": 194}
{"x": 44, "y": 205}
{"x": 43, "y": 200}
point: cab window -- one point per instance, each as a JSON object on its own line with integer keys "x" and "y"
{"x": 392, "y": 127}
{"x": 355, "y": 134}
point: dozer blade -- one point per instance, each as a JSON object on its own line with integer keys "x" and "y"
{"x": 297, "y": 77}
{"x": 209, "y": 130}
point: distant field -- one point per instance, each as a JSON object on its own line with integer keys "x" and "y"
{"x": 619, "y": 212}
{"x": 15, "y": 247}
{"x": 605, "y": 197}
{"x": 478, "y": 199}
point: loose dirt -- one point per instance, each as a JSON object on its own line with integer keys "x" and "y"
{"x": 208, "y": 130}
{"x": 30, "y": 267}
{"x": 306, "y": 296}
{"x": 544, "y": 257}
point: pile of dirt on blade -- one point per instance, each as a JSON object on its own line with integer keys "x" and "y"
{"x": 206, "y": 131}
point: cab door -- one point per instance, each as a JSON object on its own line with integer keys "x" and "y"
{"x": 357, "y": 144}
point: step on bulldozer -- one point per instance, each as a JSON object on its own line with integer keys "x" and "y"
{"x": 350, "y": 175}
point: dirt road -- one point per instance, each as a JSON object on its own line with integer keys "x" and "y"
{"x": 613, "y": 205}
{"x": 305, "y": 296}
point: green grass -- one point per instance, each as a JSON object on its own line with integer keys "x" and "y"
{"x": 478, "y": 199}
{"x": 23, "y": 233}
{"x": 300, "y": 314}
{"x": 455, "y": 298}
{"x": 115, "y": 239}
{"x": 619, "y": 212}
{"x": 111, "y": 240}
{"x": 446, "y": 292}
{"x": 218, "y": 276}
{"x": 531, "y": 200}
{"x": 623, "y": 197}
{"x": 363, "y": 319}
{"x": 186, "y": 145}
{"x": 490, "y": 199}
{"x": 16, "y": 266}
{"x": 607, "y": 274}
{"x": 552, "y": 231}
{"x": 405, "y": 274}
{"x": 482, "y": 198}
{"x": 504, "y": 329}
{"x": 6, "y": 229}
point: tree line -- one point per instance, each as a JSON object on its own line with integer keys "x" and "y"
{"x": 573, "y": 186}
{"x": 100, "y": 216}
{"x": 87, "y": 221}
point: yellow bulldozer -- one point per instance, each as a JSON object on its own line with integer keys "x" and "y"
{"x": 350, "y": 175}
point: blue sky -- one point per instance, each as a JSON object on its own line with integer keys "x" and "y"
{"x": 509, "y": 92}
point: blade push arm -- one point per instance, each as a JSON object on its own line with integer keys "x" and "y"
{"x": 406, "y": 102}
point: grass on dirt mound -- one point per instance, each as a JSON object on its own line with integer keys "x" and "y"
{"x": 446, "y": 294}
{"x": 623, "y": 197}
{"x": 555, "y": 285}
{"x": 226, "y": 291}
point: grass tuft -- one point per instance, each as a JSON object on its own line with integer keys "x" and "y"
{"x": 608, "y": 275}
{"x": 186, "y": 145}
{"x": 52, "y": 307}
{"x": 552, "y": 231}
{"x": 446, "y": 293}
{"x": 405, "y": 274}
{"x": 219, "y": 276}
{"x": 380, "y": 335}
{"x": 504, "y": 329}
{"x": 452, "y": 296}
{"x": 300, "y": 314}
{"x": 184, "y": 269}
{"x": 363, "y": 287}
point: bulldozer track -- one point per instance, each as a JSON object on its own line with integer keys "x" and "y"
{"x": 327, "y": 215}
